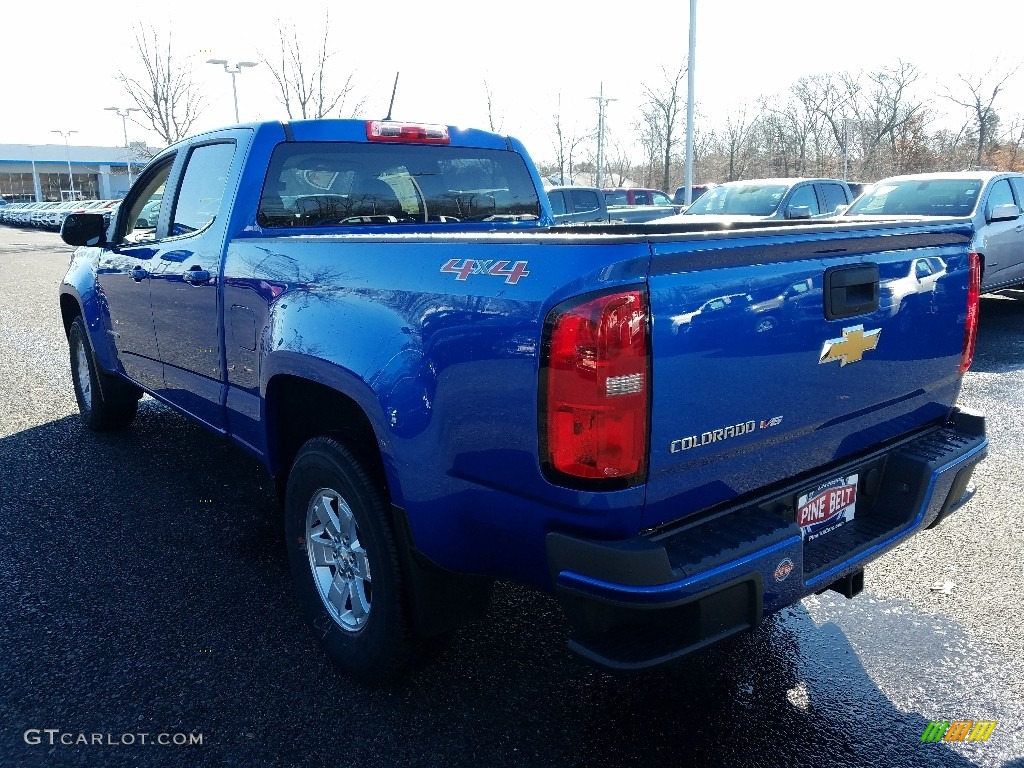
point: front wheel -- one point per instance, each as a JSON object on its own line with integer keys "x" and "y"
{"x": 105, "y": 401}
{"x": 345, "y": 564}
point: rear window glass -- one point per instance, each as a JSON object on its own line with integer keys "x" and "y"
{"x": 340, "y": 184}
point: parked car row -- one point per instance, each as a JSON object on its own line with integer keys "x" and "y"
{"x": 993, "y": 201}
{"x": 51, "y": 215}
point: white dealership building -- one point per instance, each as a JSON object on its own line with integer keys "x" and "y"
{"x": 57, "y": 172}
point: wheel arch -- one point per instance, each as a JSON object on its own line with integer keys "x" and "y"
{"x": 298, "y": 408}
{"x": 70, "y": 308}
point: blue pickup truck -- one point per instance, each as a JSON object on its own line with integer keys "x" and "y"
{"x": 449, "y": 390}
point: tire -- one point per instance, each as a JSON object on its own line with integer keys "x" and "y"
{"x": 345, "y": 563}
{"x": 104, "y": 401}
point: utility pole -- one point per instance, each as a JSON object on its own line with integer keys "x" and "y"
{"x": 688, "y": 180}
{"x": 67, "y": 153}
{"x": 123, "y": 113}
{"x": 601, "y": 100}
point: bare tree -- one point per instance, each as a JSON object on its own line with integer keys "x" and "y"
{"x": 979, "y": 100}
{"x": 659, "y": 120}
{"x": 737, "y": 142}
{"x": 1011, "y": 146}
{"x": 168, "y": 98}
{"x": 305, "y": 87}
{"x": 495, "y": 127}
{"x": 566, "y": 146}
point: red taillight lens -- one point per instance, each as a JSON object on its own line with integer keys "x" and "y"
{"x": 595, "y": 398}
{"x": 973, "y": 308}
{"x": 409, "y": 133}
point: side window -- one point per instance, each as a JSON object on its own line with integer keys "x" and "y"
{"x": 641, "y": 198}
{"x": 922, "y": 269}
{"x": 584, "y": 201}
{"x": 1018, "y": 187}
{"x": 805, "y": 195}
{"x": 142, "y": 210}
{"x": 557, "y": 203}
{"x": 202, "y": 187}
{"x": 660, "y": 199}
{"x": 834, "y": 196}
{"x": 1000, "y": 194}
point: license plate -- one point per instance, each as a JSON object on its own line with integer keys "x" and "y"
{"x": 827, "y": 508}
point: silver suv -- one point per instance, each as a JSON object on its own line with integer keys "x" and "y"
{"x": 992, "y": 200}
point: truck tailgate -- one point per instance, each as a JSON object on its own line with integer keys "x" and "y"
{"x": 753, "y": 384}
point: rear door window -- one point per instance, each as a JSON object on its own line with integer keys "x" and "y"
{"x": 833, "y": 196}
{"x": 1017, "y": 182}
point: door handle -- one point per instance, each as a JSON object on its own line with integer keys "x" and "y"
{"x": 139, "y": 274}
{"x": 196, "y": 276}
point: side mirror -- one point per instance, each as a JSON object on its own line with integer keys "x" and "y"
{"x": 840, "y": 210}
{"x": 1005, "y": 212}
{"x": 84, "y": 229}
{"x": 798, "y": 212}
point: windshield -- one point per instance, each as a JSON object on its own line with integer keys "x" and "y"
{"x": 741, "y": 199}
{"x": 315, "y": 184}
{"x": 914, "y": 197}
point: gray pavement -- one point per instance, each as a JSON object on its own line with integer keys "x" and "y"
{"x": 145, "y": 590}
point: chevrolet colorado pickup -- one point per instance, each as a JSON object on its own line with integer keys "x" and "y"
{"x": 449, "y": 390}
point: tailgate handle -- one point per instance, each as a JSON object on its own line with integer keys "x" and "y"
{"x": 851, "y": 291}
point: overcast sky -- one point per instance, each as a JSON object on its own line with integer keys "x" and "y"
{"x": 60, "y": 58}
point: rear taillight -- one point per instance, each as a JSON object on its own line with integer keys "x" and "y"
{"x": 595, "y": 390}
{"x": 973, "y": 307}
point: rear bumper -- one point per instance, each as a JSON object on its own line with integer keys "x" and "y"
{"x": 649, "y": 600}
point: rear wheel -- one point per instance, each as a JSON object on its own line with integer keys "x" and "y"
{"x": 105, "y": 401}
{"x": 345, "y": 564}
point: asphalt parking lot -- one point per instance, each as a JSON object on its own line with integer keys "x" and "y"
{"x": 145, "y": 591}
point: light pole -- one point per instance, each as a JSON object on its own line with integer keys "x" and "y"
{"x": 67, "y": 153}
{"x": 691, "y": 60}
{"x": 37, "y": 194}
{"x": 233, "y": 69}
{"x": 846, "y": 143}
{"x": 601, "y": 102}
{"x": 123, "y": 113}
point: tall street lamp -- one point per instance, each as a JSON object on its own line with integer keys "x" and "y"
{"x": 123, "y": 113}
{"x": 233, "y": 69}
{"x": 67, "y": 153}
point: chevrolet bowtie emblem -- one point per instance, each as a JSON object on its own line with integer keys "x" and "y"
{"x": 851, "y": 347}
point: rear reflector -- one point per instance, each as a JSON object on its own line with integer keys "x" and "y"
{"x": 595, "y": 397}
{"x": 407, "y": 133}
{"x": 973, "y": 308}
